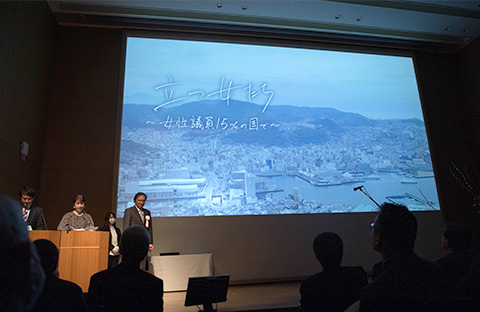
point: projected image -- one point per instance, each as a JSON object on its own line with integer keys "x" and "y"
{"x": 229, "y": 129}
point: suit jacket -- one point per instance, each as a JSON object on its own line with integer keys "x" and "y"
{"x": 60, "y": 295}
{"x": 332, "y": 291}
{"x": 125, "y": 288}
{"x": 132, "y": 217}
{"x": 36, "y": 218}
{"x": 456, "y": 265}
{"x": 404, "y": 282}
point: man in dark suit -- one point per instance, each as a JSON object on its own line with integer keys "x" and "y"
{"x": 126, "y": 287}
{"x": 57, "y": 294}
{"x": 456, "y": 263}
{"x": 402, "y": 281}
{"x": 139, "y": 215}
{"x": 336, "y": 287}
{"x": 32, "y": 215}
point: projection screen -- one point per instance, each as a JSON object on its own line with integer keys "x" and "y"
{"x": 211, "y": 128}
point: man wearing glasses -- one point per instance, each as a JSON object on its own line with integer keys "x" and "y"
{"x": 402, "y": 281}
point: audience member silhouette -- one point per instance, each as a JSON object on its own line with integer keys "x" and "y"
{"x": 21, "y": 274}
{"x": 457, "y": 261}
{"x": 336, "y": 287}
{"x": 110, "y": 225}
{"x": 57, "y": 294}
{"x": 402, "y": 281}
{"x": 126, "y": 287}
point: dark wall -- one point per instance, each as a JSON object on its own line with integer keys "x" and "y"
{"x": 27, "y": 40}
{"x": 446, "y": 118}
{"x": 469, "y": 66}
{"x": 449, "y": 86}
{"x": 79, "y": 156}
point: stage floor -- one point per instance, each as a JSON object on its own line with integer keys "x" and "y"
{"x": 269, "y": 296}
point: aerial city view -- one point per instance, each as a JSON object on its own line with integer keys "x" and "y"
{"x": 308, "y": 163}
{"x": 213, "y": 129}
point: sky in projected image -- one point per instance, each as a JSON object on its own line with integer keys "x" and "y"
{"x": 229, "y": 129}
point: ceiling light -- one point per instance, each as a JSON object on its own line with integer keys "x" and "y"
{"x": 244, "y": 7}
{"x": 447, "y": 28}
{"x": 466, "y": 30}
{"x": 359, "y": 18}
{"x": 338, "y": 16}
{"x": 219, "y": 5}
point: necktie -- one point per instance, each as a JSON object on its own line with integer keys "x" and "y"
{"x": 142, "y": 216}
{"x": 25, "y": 214}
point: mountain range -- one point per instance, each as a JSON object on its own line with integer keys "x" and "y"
{"x": 295, "y": 123}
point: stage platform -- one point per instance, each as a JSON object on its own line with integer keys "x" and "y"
{"x": 270, "y": 297}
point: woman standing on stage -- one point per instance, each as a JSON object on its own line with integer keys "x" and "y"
{"x": 110, "y": 225}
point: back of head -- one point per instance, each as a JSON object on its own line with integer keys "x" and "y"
{"x": 134, "y": 243}
{"x": 328, "y": 248}
{"x": 20, "y": 271}
{"x": 13, "y": 229}
{"x": 396, "y": 227}
{"x": 459, "y": 239}
{"x": 48, "y": 253}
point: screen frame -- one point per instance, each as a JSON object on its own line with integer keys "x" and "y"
{"x": 266, "y": 39}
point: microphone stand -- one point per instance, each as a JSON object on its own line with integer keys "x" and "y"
{"x": 361, "y": 188}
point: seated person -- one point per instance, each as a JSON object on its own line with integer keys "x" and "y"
{"x": 32, "y": 214}
{"x": 458, "y": 260}
{"x": 77, "y": 219}
{"x": 402, "y": 281}
{"x": 21, "y": 273}
{"x": 110, "y": 226}
{"x": 57, "y": 294}
{"x": 126, "y": 287}
{"x": 336, "y": 287}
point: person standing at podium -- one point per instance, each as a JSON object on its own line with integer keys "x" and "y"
{"x": 139, "y": 215}
{"x": 77, "y": 219}
{"x": 33, "y": 215}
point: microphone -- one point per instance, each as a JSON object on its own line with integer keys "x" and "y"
{"x": 358, "y": 188}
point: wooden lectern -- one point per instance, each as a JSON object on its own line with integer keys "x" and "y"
{"x": 53, "y": 236}
{"x": 82, "y": 254}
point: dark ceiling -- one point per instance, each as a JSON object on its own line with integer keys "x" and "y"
{"x": 445, "y": 26}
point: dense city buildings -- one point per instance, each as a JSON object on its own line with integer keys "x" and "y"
{"x": 190, "y": 170}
